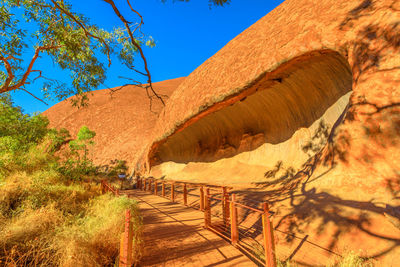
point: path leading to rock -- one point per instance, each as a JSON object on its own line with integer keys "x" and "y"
{"x": 174, "y": 236}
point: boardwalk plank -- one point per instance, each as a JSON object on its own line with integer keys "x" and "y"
{"x": 174, "y": 236}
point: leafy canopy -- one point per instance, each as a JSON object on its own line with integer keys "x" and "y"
{"x": 72, "y": 42}
{"x": 84, "y": 139}
{"x": 68, "y": 38}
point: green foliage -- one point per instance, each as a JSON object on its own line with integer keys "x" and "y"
{"x": 26, "y": 144}
{"x": 83, "y": 141}
{"x": 19, "y": 131}
{"x": 85, "y": 135}
{"x": 47, "y": 218}
{"x": 76, "y": 169}
{"x": 76, "y": 166}
{"x": 73, "y": 43}
{"x": 117, "y": 167}
{"x": 20, "y": 139}
{"x": 57, "y": 138}
{"x": 211, "y": 2}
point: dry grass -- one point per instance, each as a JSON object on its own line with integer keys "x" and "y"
{"x": 26, "y": 239}
{"x": 349, "y": 259}
{"x": 47, "y": 220}
{"x": 353, "y": 259}
{"x": 94, "y": 238}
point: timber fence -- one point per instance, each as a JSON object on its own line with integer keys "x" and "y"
{"x": 248, "y": 227}
{"x": 125, "y": 258}
{"x": 105, "y": 187}
{"x": 221, "y": 215}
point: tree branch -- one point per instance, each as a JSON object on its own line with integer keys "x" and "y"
{"x": 29, "y": 69}
{"x": 6, "y": 86}
{"x": 137, "y": 46}
{"x": 33, "y": 95}
{"x": 137, "y": 13}
{"x": 10, "y": 76}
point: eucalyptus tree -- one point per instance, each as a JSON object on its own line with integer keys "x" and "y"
{"x": 52, "y": 28}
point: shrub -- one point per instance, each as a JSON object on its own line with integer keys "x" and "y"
{"x": 46, "y": 218}
{"x": 75, "y": 166}
{"x": 55, "y": 139}
{"x": 19, "y": 131}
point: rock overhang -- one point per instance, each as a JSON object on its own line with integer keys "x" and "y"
{"x": 291, "y": 32}
{"x": 270, "y": 110}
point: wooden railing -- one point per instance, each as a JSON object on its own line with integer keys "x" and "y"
{"x": 221, "y": 216}
{"x": 126, "y": 239}
{"x": 105, "y": 187}
{"x": 125, "y": 252}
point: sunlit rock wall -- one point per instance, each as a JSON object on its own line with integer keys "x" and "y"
{"x": 261, "y": 98}
{"x": 243, "y": 140}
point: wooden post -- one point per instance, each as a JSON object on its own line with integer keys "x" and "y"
{"x": 103, "y": 189}
{"x": 184, "y": 194}
{"x": 155, "y": 187}
{"x": 202, "y": 198}
{"x": 144, "y": 184}
{"x": 225, "y": 206}
{"x": 163, "y": 189}
{"x": 207, "y": 209}
{"x": 125, "y": 254}
{"x": 268, "y": 234}
{"x": 234, "y": 226}
{"x": 173, "y": 192}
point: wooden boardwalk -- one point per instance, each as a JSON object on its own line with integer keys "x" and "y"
{"x": 174, "y": 236}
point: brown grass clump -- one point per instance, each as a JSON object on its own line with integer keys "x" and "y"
{"x": 94, "y": 239}
{"x": 28, "y": 237}
{"x": 47, "y": 221}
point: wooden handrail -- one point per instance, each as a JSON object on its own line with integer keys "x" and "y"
{"x": 106, "y": 187}
{"x": 189, "y": 184}
{"x": 229, "y": 210}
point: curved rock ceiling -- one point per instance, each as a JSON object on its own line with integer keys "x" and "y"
{"x": 271, "y": 124}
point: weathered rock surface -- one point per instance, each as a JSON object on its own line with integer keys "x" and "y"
{"x": 122, "y": 122}
{"x": 260, "y": 100}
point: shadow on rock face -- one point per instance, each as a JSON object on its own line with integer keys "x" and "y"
{"x": 294, "y": 98}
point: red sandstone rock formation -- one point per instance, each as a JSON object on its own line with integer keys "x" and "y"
{"x": 260, "y": 100}
{"x": 122, "y": 122}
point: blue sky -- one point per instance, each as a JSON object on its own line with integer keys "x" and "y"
{"x": 186, "y": 34}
